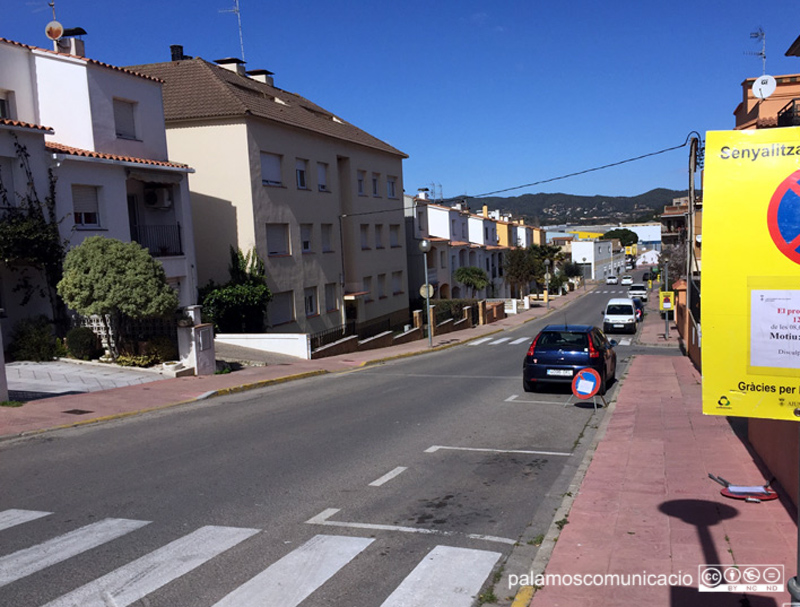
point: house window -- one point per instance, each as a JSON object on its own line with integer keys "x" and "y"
{"x": 331, "y": 301}
{"x": 362, "y": 177}
{"x": 5, "y": 110}
{"x": 310, "y": 299}
{"x": 397, "y": 282}
{"x": 124, "y": 123}
{"x": 300, "y": 173}
{"x": 364, "y": 236}
{"x": 391, "y": 187}
{"x": 85, "y": 205}
{"x": 278, "y": 239}
{"x": 322, "y": 176}
{"x": 394, "y": 235}
{"x": 327, "y": 237}
{"x": 443, "y": 259}
{"x": 379, "y": 236}
{"x": 281, "y": 308}
{"x": 305, "y": 237}
{"x": 375, "y": 184}
{"x": 366, "y": 285}
{"x": 381, "y": 286}
{"x": 270, "y": 169}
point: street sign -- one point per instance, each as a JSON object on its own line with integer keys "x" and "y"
{"x": 751, "y": 294}
{"x": 426, "y": 290}
{"x": 666, "y": 300}
{"x": 586, "y": 383}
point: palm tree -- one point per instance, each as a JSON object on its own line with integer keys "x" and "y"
{"x": 472, "y": 277}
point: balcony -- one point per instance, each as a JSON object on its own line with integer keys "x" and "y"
{"x": 161, "y": 241}
{"x": 789, "y": 115}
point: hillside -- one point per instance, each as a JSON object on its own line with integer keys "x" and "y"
{"x": 550, "y": 209}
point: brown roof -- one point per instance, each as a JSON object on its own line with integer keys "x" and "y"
{"x": 195, "y": 89}
{"x": 25, "y": 125}
{"x": 59, "y": 148}
{"x": 92, "y": 61}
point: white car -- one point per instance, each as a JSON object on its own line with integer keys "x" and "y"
{"x": 611, "y": 280}
{"x": 627, "y": 280}
{"x": 639, "y": 291}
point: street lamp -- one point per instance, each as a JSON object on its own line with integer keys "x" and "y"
{"x": 547, "y": 282}
{"x": 425, "y": 246}
{"x": 583, "y": 268}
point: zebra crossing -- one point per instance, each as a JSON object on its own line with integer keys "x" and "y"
{"x": 507, "y": 341}
{"x": 447, "y": 575}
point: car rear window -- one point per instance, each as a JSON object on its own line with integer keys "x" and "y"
{"x": 563, "y": 340}
{"x": 619, "y": 309}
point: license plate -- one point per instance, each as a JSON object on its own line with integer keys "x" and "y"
{"x": 560, "y": 372}
{"x": 618, "y": 326}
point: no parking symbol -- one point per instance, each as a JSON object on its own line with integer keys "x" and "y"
{"x": 783, "y": 217}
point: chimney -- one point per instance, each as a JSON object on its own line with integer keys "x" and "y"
{"x": 264, "y": 76}
{"x": 69, "y": 44}
{"x": 176, "y": 52}
{"x": 233, "y": 64}
{"x": 486, "y": 210}
{"x": 422, "y": 193}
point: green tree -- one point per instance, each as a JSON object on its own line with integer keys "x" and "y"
{"x": 542, "y": 253}
{"x": 519, "y": 268}
{"x": 112, "y": 279}
{"x": 472, "y": 277}
{"x": 625, "y": 236}
{"x": 240, "y": 305}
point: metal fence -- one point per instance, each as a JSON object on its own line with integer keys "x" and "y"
{"x": 161, "y": 241}
{"x": 362, "y": 331}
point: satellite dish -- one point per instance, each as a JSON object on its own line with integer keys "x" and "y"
{"x": 764, "y": 86}
{"x": 54, "y": 30}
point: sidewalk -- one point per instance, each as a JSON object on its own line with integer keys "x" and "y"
{"x": 647, "y": 506}
{"x": 79, "y": 409}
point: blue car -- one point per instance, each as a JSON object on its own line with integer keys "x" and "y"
{"x": 558, "y": 352}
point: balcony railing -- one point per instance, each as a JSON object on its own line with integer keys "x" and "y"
{"x": 161, "y": 241}
{"x": 789, "y": 115}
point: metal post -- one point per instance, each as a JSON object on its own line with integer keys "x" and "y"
{"x": 425, "y": 246}
{"x": 666, "y": 312}
{"x": 793, "y": 584}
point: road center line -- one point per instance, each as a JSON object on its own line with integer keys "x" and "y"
{"x": 435, "y": 448}
{"x": 388, "y": 476}
{"x": 322, "y": 519}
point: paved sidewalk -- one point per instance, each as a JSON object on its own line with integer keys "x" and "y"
{"x": 79, "y": 409}
{"x": 647, "y": 506}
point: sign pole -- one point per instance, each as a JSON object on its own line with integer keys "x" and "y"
{"x": 666, "y": 312}
{"x": 793, "y": 584}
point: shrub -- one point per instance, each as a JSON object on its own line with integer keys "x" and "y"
{"x": 32, "y": 339}
{"x": 131, "y": 360}
{"x": 82, "y": 343}
{"x": 161, "y": 349}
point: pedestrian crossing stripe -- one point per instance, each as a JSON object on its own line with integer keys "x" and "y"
{"x": 137, "y": 579}
{"x": 499, "y": 341}
{"x": 519, "y": 341}
{"x": 446, "y": 577}
{"x": 12, "y": 518}
{"x": 289, "y": 581}
{"x": 478, "y": 342}
{"x": 30, "y": 560}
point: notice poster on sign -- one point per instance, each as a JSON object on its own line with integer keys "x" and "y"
{"x": 775, "y": 328}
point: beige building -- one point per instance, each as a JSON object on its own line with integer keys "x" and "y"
{"x": 318, "y": 198}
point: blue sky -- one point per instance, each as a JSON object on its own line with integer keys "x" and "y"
{"x": 481, "y": 96}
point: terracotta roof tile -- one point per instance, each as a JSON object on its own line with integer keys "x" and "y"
{"x": 195, "y": 89}
{"x": 25, "y": 125}
{"x": 59, "y": 148}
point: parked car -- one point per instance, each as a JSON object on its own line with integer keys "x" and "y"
{"x": 619, "y": 316}
{"x": 627, "y": 280}
{"x": 639, "y": 305}
{"x": 558, "y": 352}
{"x": 638, "y": 290}
{"x": 611, "y": 280}
{"x": 647, "y": 276}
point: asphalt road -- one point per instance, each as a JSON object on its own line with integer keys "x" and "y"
{"x": 408, "y": 483}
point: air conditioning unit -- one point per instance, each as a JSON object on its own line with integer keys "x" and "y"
{"x": 158, "y": 198}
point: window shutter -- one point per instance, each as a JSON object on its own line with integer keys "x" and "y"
{"x": 84, "y": 199}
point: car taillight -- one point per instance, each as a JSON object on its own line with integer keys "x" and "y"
{"x": 593, "y": 352}
{"x": 533, "y": 345}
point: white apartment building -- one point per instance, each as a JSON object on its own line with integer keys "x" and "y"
{"x": 599, "y": 258}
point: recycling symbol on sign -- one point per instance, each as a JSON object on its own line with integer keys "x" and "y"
{"x": 724, "y": 402}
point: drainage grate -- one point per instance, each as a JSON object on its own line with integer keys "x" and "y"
{"x": 77, "y": 412}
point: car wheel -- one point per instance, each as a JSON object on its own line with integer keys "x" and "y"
{"x": 528, "y": 386}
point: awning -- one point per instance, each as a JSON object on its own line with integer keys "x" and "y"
{"x": 155, "y": 176}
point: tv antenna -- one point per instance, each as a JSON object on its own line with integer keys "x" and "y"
{"x": 760, "y": 36}
{"x": 238, "y": 14}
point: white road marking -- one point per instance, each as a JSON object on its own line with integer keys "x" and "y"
{"x": 478, "y": 342}
{"x": 446, "y": 577}
{"x": 514, "y": 397}
{"x": 290, "y": 580}
{"x": 519, "y": 341}
{"x": 499, "y": 341}
{"x": 139, "y": 578}
{"x": 322, "y": 519}
{"x": 624, "y": 342}
{"x": 12, "y": 518}
{"x": 388, "y": 476}
{"x": 30, "y": 560}
{"x": 435, "y": 448}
